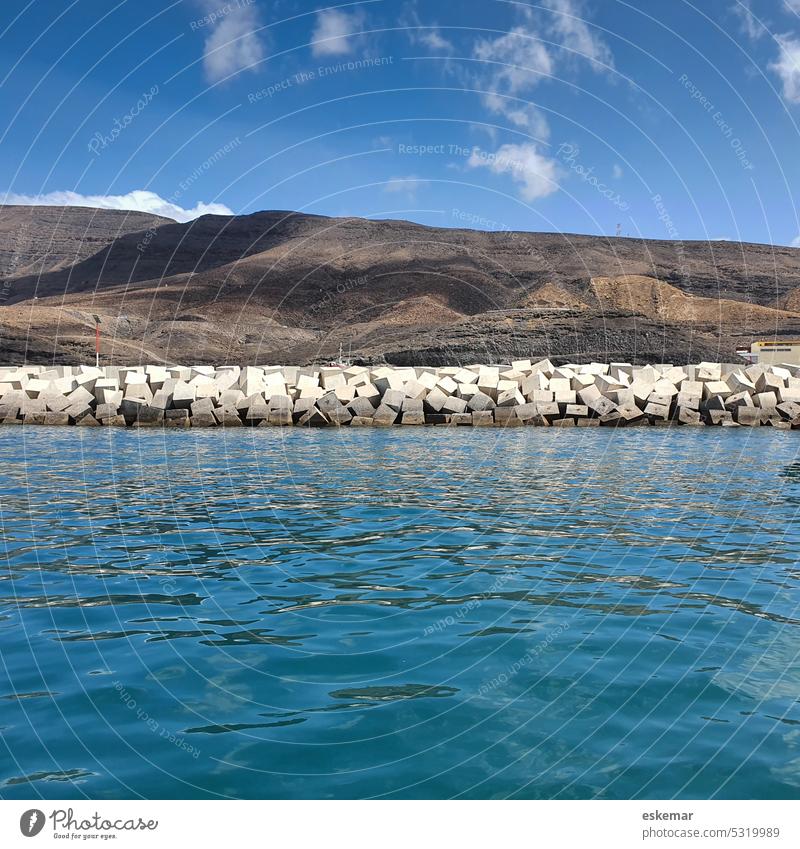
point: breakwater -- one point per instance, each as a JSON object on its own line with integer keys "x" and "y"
{"x": 514, "y": 394}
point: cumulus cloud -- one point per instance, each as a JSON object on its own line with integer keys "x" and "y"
{"x": 335, "y": 32}
{"x": 787, "y": 66}
{"x": 233, "y": 43}
{"x": 405, "y": 185}
{"x": 139, "y": 200}
{"x": 536, "y": 175}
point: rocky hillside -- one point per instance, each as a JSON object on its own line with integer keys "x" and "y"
{"x": 283, "y": 287}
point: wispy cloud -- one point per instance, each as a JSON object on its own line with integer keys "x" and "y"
{"x": 520, "y": 60}
{"x": 233, "y": 43}
{"x": 750, "y": 25}
{"x": 787, "y": 66}
{"x": 536, "y": 175}
{"x": 335, "y": 32}
{"x": 138, "y": 200}
{"x": 568, "y": 28}
{"x": 426, "y": 35}
{"x": 405, "y": 185}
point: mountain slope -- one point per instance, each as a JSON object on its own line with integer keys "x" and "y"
{"x": 281, "y": 286}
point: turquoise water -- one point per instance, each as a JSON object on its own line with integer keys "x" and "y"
{"x": 400, "y": 613}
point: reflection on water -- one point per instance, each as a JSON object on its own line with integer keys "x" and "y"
{"x": 421, "y": 613}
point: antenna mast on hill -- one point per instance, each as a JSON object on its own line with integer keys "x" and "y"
{"x": 619, "y": 229}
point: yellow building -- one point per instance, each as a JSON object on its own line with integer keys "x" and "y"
{"x": 776, "y": 351}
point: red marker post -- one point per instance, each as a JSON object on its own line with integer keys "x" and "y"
{"x": 97, "y": 341}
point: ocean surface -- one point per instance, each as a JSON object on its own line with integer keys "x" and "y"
{"x": 404, "y": 613}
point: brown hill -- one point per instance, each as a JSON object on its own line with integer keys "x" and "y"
{"x": 286, "y": 287}
{"x": 37, "y": 239}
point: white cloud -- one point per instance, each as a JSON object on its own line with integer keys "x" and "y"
{"x": 138, "y": 200}
{"x": 796, "y": 242}
{"x": 617, "y": 172}
{"x": 427, "y": 35}
{"x": 568, "y": 27}
{"x": 405, "y": 185}
{"x": 232, "y": 44}
{"x": 535, "y": 174}
{"x": 787, "y": 66}
{"x": 434, "y": 40}
{"x": 335, "y": 32}
{"x": 752, "y": 27}
{"x": 520, "y": 60}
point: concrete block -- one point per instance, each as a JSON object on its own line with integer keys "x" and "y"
{"x": 384, "y": 416}
{"x": 56, "y": 418}
{"x": 203, "y": 420}
{"x": 34, "y": 418}
{"x": 339, "y": 417}
{"x": 361, "y": 421}
{"x": 765, "y": 400}
{"x": 393, "y": 398}
{"x": 749, "y": 416}
{"x": 413, "y": 417}
{"x": 329, "y": 404}
{"x": 688, "y": 401}
{"x": 482, "y": 418}
{"x": 525, "y": 412}
{"x": 480, "y": 402}
{"x": 280, "y": 417}
{"x": 461, "y": 419}
{"x": 330, "y": 378}
{"x": 437, "y": 419}
{"x": 465, "y": 377}
{"x": 414, "y": 389}
{"x": 767, "y": 382}
{"x": 105, "y": 411}
{"x": 739, "y": 399}
{"x": 114, "y": 421}
{"x": 708, "y": 371}
{"x": 177, "y": 418}
{"x": 226, "y": 417}
{"x": 361, "y": 407}
{"x": 689, "y": 416}
{"x": 789, "y": 409}
{"x": 510, "y": 398}
{"x": 549, "y": 411}
{"x": 717, "y": 417}
{"x": 577, "y": 410}
{"x": 717, "y": 388}
{"x": 370, "y": 392}
{"x": 202, "y": 405}
{"x": 412, "y": 405}
{"x": 55, "y": 401}
{"x": 345, "y": 394}
{"x": 657, "y": 411}
{"x": 254, "y": 413}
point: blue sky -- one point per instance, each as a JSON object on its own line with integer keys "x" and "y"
{"x": 668, "y": 119}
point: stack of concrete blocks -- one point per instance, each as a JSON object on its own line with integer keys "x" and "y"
{"x": 519, "y": 393}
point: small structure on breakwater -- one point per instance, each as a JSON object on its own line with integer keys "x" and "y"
{"x": 518, "y": 393}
